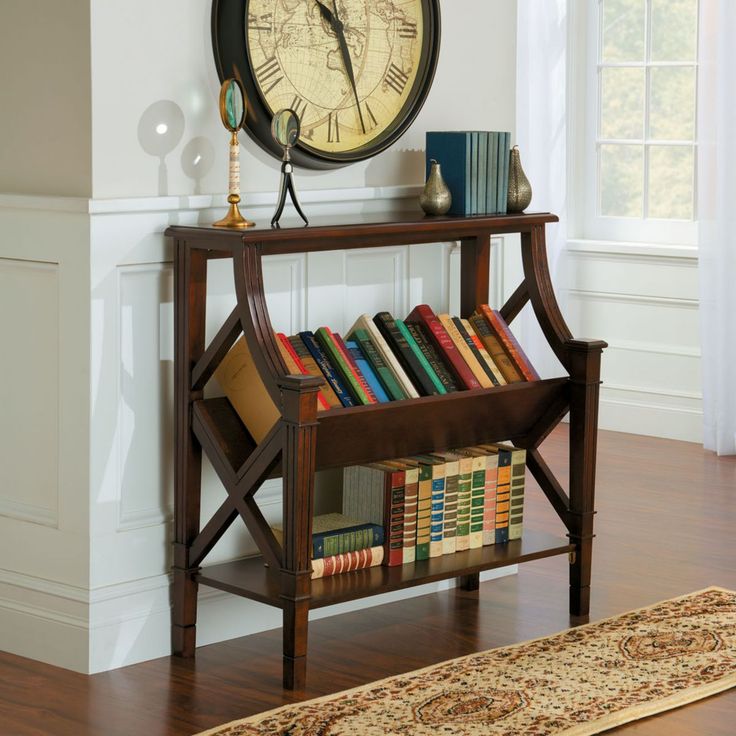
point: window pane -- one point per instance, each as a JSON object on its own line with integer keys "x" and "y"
{"x": 671, "y": 182}
{"x": 622, "y": 180}
{"x": 672, "y": 103}
{"x": 674, "y": 30}
{"x": 623, "y": 30}
{"x": 622, "y": 103}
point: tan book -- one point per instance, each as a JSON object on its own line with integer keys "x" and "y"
{"x": 465, "y": 351}
{"x": 495, "y": 349}
{"x": 483, "y": 352}
{"x": 241, "y": 382}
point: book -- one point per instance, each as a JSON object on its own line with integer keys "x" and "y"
{"x": 503, "y": 495}
{"x": 465, "y": 351}
{"x": 477, "y": 495}
{"x": 424, "y": 316}
{"x": 518, "y": 477}
{"x": 365, "y": 322}
{"x": 347, "y": 562}
{"x": 482, "y": 171}
{"x": 296, "y": 367}
{"x": 505, "y": 175}
{"x": 402, "y": 350}
{"x": 449, "y": 521}
{"x": 426, "y": 365}
{"x": 355, "y": 368}
{"x": 384, "y": 373}
{"x": 328, "y": 371}
{"x": 430, "y": 353}
{"x": 300, "y": 350}
{"x": 366, "y": 371}
{"x": 468, "y": 341}
{"x": 474, "y": 171}
{"x": 341, "y": 364}
{"x": 465, "y": 479}
{"x": 495, "y": 349}
{"x": 485, "y": 357}
{"x": 489, "y": 498}
{"x": 492, "y": 184}
{"x": 411, "y": 498}
{"x": 241, "y": 382}
{"x": 436, "y": 528}
{"x": 335, "y": 534}
{"x": 451, "y": 149}
{"x": 375, "y": 493}
{"x": 424, "y": 511}
{"x": 511, "y": 346}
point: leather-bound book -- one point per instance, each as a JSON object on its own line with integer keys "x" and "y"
{"x": 511, "y": 346}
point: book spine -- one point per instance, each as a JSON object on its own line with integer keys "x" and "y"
{"x": 366, "y": 370}
{"x": 348, "y": 540}
{"x": 477, "y": 500}
{"x": 394, "y": 514}
{"x": 482, "y": 170}
{"x": 449, "y": 523}
{"x": 492, "y": 195}
{"x": 489, "y": 500}
{"x": 509, "y": 342}
{"x": 465, "y": 478}
{"x": 428, "y": 319}
{"x": 422, "y": 341}
{"x": 393, "y": 388}
{"x": 485, "y": 355}
{"x": 501, "y": 195}
{"x": 391, "y": 333}
{"x": 357, "y": 373}
{"x": 474, "y": 162}
{"x": 516, "y": 510}
{"x": 426, "y": 366}
{"x": 326, "y": 367}
{"x": 477, "y": 354}
{"x": 347, "y": 562}
{"x": 495, "y": 349}
{"x": 335, "y": 357}
{"x": 451, "y": 150}
{"x": 438, "y": 511}
{"x": 465, "y": 351}
{"x": 411, "y": 504}
{"x": 506, "y": 161}
{"x": 294, "y": 363}
{"x": 424, "y": 512}
{"x": 300, "y": 350}
{"x": 503, "y": 494}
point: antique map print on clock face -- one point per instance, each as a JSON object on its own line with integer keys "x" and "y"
{"x": 347, "y": 67}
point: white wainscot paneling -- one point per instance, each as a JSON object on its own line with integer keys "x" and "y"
{"x": 29, "y": 391}
{"x": 145, "y": 421}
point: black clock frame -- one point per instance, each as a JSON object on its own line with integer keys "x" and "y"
{"x": 229, "y": 32}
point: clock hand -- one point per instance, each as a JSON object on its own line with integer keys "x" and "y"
{"x": 337, "y": 26}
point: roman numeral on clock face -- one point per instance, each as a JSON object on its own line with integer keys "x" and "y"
{"x": 299, "y": 106}
{"x": 396, "y": 79}
{"x": 333, "y": 128}
{"x": 266, "y": 72}
{"x": 371, "y": 122}
{"x": 407, "y": 29}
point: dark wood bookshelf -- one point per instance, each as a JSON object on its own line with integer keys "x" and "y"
{"x": 304, "y": 440}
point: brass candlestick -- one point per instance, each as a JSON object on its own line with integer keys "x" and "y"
{"x": 232, "y": 112}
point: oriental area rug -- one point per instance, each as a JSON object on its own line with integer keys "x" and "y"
{"x": 578, "y": 682}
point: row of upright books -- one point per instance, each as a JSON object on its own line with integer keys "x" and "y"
{"x": 475, "y": 167}
{"x": 382, "y": 359}
{"x": 401, "y": 511}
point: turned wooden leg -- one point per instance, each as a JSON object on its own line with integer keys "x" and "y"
{"x": 585, "y": 360}
{"x": 190, "y": 289}
{"x": 299, "y": 412}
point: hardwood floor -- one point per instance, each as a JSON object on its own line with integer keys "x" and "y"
{"x": 665, "y": 526}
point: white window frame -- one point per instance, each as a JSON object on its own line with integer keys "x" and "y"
{"x": 585, "y": 40}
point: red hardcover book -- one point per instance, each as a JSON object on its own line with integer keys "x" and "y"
{"x": 424, "y": 316}
{"x": 354, "y": 367}
{"x": 511, "y": 346}
{"x": 300, "y": 365}
{"x": 347, "y": 562}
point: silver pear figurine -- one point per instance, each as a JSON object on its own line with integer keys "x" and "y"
{"x": 435, "y": 198}
{"x": 520, "y": 190}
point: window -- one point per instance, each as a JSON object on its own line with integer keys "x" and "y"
{"x": 640, "y": 121}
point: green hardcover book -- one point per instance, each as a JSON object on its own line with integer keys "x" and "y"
{"x": 516, "y": 511}
{"x": 340, "y": 364}
{"x": 420, "y": 356}
{"x": 482, "y": 171}
{"x": 383, "y": 372}
{"x": 431, "y": 354}
{"x": 499, "y": 174}
{"x": 449, "y": 523}
{"x": 424, "y": 511}
{"x": 465, "y": 479}
{"x": 474, "y": 170}
{"x": 491, "y": 185}
{"x": 506, "y": 162}
{"x": 477, "y": 495}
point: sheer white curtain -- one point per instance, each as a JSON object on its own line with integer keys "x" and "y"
{"x": 717, "y": 221}
{"x": 541, "y": 134}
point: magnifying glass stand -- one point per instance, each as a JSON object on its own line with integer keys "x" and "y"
{"x": 287, "y": 185}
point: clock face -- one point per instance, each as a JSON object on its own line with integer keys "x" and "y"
{"x": 356, "y": 72}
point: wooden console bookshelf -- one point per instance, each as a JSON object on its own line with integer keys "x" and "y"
{"x": 304, "y": 440}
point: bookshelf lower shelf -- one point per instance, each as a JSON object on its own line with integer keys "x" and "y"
{"x": 250, "y": 578}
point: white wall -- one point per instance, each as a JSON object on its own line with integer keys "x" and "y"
{"x": 45, "y": 98}
{"x": 94, "y": 592}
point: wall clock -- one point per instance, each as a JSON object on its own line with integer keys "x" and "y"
{"x": 357, "y": 72}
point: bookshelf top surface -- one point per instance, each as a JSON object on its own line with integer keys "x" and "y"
{"x": 316, "y": 235}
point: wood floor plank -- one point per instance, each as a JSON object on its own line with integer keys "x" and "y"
{"x": 666, "y": 515}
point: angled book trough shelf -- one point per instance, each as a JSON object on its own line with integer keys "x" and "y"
{"x": 303, "y": 440}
